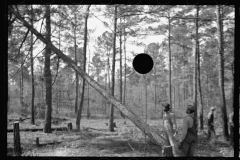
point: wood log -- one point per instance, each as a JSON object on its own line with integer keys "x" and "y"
{"x": 44, "y": 144}
{"x": 39, "y": 129}
{"x": 167, "y": 151}
{"x": 69, "y": 126}
{"x": 17, "y": 143}
{"x": 20, "y": 119}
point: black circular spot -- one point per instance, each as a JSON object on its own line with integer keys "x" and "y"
{"x": 143, "y": 63}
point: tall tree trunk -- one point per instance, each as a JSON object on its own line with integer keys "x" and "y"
{"x": 88, "y": 108}
{"x": 111, "y": 129}
{"x": 125, "y": 68}
{"x": 174, "y": 97}
{"x": 120, "y": 84}
{"x": 59, "y": 47}
{"x": 155, "y": 86}
{"x": 48, "y": 76}
{"x": 21, "y": 83}
{"x": 195, "y": 64}
{"x": 153, "y": 133}
{"x": 32, "y": 73}
{"x": 79, "y": 113}
{"x": 76, "y": 60}
{"x": 200, "y": 91}
{"x": 170, "y": 61}
{"x": 208, "y": 95}
{"x": 42, "y": 86}
{"x": 221, "y": 72}
{"x": 146, "y": 111}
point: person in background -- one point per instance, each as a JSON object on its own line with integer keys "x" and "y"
{"x": 210, "y": 122}
{"x": 188, "y": 137}
{"x": 231, "y": 127}
{"x": 169, "y": 125}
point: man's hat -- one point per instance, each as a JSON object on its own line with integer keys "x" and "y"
{"x": 190, "y": 108}
{"x": 166, "y": 106}
{"x": 212, "y": 109}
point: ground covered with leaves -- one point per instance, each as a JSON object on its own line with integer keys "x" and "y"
{"x": 94, "y": 139}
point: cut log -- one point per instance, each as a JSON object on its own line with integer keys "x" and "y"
{"x": 39, "y": 129}
{"x": 20, "y": 119}
{"x": 69, "y": 126}
{"x": 167, "y": 151}
{"x": 44, "y": 144}
{"x": 17, "y": 143}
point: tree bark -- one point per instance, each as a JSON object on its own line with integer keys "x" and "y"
{"x": 195, "y": 64}
{"x": 111, "y": 128}
{"x": 120, "y": 84}
{"x": 155, "y": 86}
{"x": 167, "y": 151}
{"x": 32, "y": 73}
{"x": 221, "y": 72}
{"x": 21, "y": 83}
{"x": 125, "y": 69}
{"x": 152, "y": 132}
{"x": 17, "y": 143}
{"x": 76, "y": 60}
{"x": 88, "y": 108}
{"x": 79, "y": 112}
{"x": 47, "y": 75}
{"x": 170, "y": 74}
{"x": 200, "y": 91}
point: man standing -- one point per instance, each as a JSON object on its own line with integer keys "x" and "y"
{"x": 188, "y": 138}
{"x": 169, "y": 125}
{"x": 231, "y": 127}
{"x": 210, "y": 122}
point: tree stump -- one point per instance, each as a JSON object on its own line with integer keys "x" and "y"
{"x": 17, "y": 143}
{"x": 37, "y": 141}
{"x": 167, "y": 151}
{"x": 69, "y": 126}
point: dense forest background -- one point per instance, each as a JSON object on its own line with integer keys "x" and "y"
{"x": 193, "y": 62}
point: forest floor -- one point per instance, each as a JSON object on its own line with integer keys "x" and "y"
{"x": 94, "y": 139}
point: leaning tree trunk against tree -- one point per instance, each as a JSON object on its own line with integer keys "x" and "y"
{"x": 79, "y": 112}
{"x": 47, "y": 75}
{"x": 111, "y": 129}
{"x": 221, "y": 72}
{"x": 32, "y": 73}
{"x": 153, "y": 133}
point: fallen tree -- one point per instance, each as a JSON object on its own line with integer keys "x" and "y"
{"x": 39, "y": 129}
{"x": 148, "y": 130}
